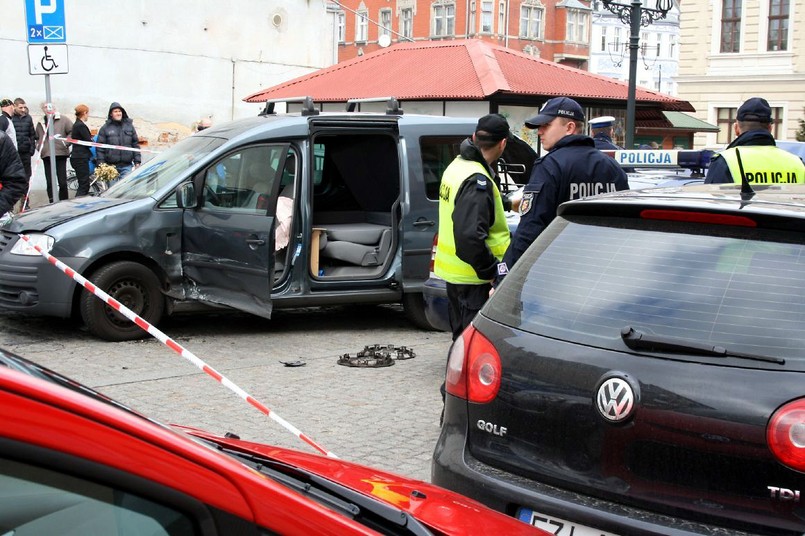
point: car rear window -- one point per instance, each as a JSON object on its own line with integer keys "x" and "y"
{"x": 584, "y": 279}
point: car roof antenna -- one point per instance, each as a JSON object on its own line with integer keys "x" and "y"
{"x": 747, "y": 192}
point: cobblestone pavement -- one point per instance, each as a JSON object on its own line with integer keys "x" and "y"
{"x": 383, "y": 417}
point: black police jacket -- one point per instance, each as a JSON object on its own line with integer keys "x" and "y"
{"x": 572, "y": 169}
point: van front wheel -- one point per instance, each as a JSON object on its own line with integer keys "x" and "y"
{"x": 134, "y": 286}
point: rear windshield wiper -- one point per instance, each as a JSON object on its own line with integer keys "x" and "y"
{"x": 637, "y": 340}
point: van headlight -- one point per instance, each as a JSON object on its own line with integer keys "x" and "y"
{"x": 23, "y": 247}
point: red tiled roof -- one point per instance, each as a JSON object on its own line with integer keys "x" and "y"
{"x": 458, "y": 70}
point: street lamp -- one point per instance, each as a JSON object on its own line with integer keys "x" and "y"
{"x": 635, "y": 15}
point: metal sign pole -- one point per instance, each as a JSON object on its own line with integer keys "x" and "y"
{"x": 54, "y": 180}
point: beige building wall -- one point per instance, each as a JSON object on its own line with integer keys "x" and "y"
{"x": 710, "y": 79}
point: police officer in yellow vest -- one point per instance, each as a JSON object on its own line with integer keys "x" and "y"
{"x": 761, "y": 161}
{"x": 473, "y": 235}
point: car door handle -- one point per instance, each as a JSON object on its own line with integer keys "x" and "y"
{"x": 422, "y": 222}
{"x": 254, "y": 242}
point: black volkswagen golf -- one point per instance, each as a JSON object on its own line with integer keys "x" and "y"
{"x": 640, "y": 370}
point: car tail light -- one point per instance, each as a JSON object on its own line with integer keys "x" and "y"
{"x": 433, "y": 251}
{"x": 786, "y": 434}
{"x": 697, "y": 217}
{"x": 473, "y": 368}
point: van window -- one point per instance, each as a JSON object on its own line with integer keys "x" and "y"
{"x": 437, "y": 153}
{"x": 244, "y": 180}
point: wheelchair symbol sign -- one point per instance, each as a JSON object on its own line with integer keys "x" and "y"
{"x": 47, "y": 59}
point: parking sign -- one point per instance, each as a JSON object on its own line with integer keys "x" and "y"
{"x": 45, "y": 21}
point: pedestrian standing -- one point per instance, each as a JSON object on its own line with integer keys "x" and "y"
{"x": 26, "y": 135}
{"x": 573, "y": 168}
{"x": 118, "y": 130}
{"x": 80, "y": 155}
{"x": 62, "y": 127}
{"x": 6, "y": 124}
{"x": 473, "y": 233}
{"x": 761, "y": 161}
{"x": 13, "y": 182}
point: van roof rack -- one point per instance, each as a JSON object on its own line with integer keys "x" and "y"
{"x": 308, "y": 106}
{"x": 392, "y": 104}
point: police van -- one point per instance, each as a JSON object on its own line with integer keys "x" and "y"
{"x": 279, "y": 210}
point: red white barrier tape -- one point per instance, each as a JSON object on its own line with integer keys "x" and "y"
{"x": 104, "y": 145}
{"x": 176, "y": 347}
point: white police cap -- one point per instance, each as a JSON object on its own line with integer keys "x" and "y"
{"x": 602, "y": 122}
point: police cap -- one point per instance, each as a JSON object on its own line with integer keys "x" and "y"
{"x": 755, "y": 109}
{"x": 492, "y": 127}
{"x": 557, "y": 107}
{"x": 602, "y": 122}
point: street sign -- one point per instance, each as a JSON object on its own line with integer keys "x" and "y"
{"x": 45, "y": 21}
{"x": 47, "y": 59}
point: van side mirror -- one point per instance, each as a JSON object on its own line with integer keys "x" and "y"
{"x": 186, "y": 196}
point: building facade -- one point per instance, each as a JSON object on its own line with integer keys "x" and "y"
{"x": 550, "y": 29}
{"x": 658, "y": 52}
{"x": 169, "y": 62}
{"x": 732, "y": 50}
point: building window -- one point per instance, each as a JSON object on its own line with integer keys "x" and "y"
{"x": 342, "y": 27}
{"x": 486, "y": 17}
{"x": 407, "y": 22}
{"x": 501, "y": 18}
{"x": 576, "y": 26}
{"x": 444, "y": 20}
{"x": 778, "y": 25}
{"x": 531, "y": 22}
{"x": 361, "y": 27}
{"x": 727, "y": 119}
{"x": 731, "y": 25}
{"x": 385, "y": 23}
{"x": 473, "y": 28}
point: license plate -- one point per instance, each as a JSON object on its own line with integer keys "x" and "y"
{"x": 557, "y": 526}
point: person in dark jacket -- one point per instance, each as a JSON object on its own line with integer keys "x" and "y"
{"x": 13, "y": 182}
{"x": 119, "y": 130}
{"x": 602, "y": 129}
{"x": 80, "y": 154}
{"x": 26, "y": 135}
{"x": 762, "y": 162}
{"x": 573, "y": 168}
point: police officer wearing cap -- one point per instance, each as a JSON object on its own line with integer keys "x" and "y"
{"x": 602, "y": 129}
{"x": 753, "y": 153}
{"x": 473, "y": 234}
{"x": 573, "y": 168}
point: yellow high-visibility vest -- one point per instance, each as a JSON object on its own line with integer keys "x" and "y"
{"x": 765, "y": 164}
{"x": 447, "y": 265}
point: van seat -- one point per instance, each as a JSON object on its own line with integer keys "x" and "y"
{"x": 359, "y": 233}
{"x": 359, "y": 244}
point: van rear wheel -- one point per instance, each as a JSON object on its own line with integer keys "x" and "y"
{"x": 134, "y": 286}
{"x": 414, "y": 307}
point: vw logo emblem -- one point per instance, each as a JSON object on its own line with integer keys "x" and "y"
{"x": 615, "y": 400}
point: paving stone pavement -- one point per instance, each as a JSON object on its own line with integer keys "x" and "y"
{"x": 384, "y": 417}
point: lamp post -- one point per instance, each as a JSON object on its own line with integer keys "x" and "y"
{"x": 635, "y": 15}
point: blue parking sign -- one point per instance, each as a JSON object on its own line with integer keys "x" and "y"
{"x": 45, "y": 21}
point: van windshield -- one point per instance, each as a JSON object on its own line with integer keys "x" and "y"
{"x": 163, "y": 168}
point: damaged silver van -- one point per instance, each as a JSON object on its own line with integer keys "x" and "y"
{"x": 288, "y": 210}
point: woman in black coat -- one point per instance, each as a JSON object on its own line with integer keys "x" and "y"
{"x": 81, "y": 154}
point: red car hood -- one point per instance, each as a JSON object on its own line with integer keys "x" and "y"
{"x": 440, "y": 509}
